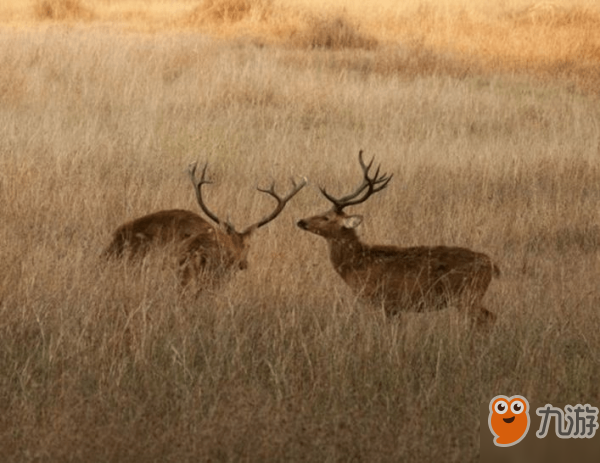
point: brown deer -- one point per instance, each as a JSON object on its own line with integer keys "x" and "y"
{"x": 201, "y": 248}
{"x": 400, "y": 279}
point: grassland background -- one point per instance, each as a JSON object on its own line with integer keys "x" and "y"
{"x": 487, "y": 116}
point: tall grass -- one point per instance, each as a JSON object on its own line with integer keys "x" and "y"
{"x": 546, "y": 39}
{"x": 106, "y": 362}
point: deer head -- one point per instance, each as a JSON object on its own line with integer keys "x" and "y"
{"x": 335, "y": 223}
{"x": 235, "y": 243}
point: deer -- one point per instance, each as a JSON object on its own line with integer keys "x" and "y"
{"x": 202, "y": 248}
{"x": 400, "y": 279}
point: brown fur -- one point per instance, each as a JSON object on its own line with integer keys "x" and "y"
{"x": 404, "y": 279}
{"x": 199, "y": 245}
{"x": 201, "y": 248}
{"x": 400, "y": 279}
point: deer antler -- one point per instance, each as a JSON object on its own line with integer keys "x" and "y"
{"x": 198, "y": 188}
{"x": 281, "y": 202}
{"x": 371, "y": 184}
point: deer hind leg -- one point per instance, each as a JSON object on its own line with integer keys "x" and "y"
{"x": 480, "y": 317}
{"x": 472, "y": 293}
{"x": 471, "y": 305}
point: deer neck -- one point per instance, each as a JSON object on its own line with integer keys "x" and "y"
{"x": 346, "y": 252}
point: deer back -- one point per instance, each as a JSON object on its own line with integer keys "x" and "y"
{"x": 157, "y": 229}
{"x": 415, "y": 276}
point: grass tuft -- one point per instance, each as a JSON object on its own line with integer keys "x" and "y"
{"x": 332, "y": 33}
{"x": 229, "y": 11}
{"x": 63, "y": 10}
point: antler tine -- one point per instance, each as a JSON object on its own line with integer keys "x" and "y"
{"x": 382, "y": 183}
{"x": 372, "y": 185}
{"x": 340, "y": 203}
{"x": 197, "y": 188}
{"x": 281, "y": 202}
{"x": 270, "y": 190}
{"x": 362, "y": 162}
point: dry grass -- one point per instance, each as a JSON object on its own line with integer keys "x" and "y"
{"x": 547, "y": 39}
{"x": 62, "y": 10}
{"x": 109, "y": 363}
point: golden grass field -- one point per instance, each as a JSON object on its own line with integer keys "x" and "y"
{"x": 489, "y": 119}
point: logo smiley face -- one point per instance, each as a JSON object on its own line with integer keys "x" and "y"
{"x": 509, "y": 419}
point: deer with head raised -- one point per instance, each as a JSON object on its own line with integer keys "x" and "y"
{"x": 400, "y": 279}
{"x": 201, "y": 247}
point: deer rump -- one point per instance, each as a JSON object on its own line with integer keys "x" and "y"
{"x": 420, "y": 278}
{"x": 199, "y": 249}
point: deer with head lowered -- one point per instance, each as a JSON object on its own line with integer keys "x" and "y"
{"x": 201, "y": 248}
{"x": 400, "y": 279}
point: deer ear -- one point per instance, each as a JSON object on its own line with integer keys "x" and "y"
{"x": 352, "y": 221}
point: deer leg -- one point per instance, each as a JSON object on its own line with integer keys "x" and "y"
{"x": 483, "y": 318}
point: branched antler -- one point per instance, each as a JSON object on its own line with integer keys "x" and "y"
{"x": 198, "y": 189}
{"x": 281, "y": 202}
{"x": 370, "y": 184}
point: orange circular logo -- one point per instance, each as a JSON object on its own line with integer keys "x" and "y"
{"x": 509, "y": 419}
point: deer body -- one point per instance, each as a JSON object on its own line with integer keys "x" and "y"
{"x": 413, "y": 278}
{"x": 199, "y": 245}
{"x": 400, "y": 279}
{"x": 159, "y": 228}
{"x": 201, "y": 248}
